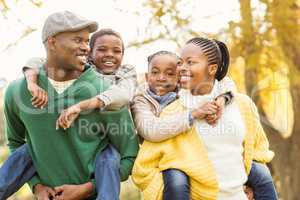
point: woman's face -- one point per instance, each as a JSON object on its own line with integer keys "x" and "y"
{"x": 107, "y": 53}
{"x": 195, "y": 73}
{"x": 162, "y": 76}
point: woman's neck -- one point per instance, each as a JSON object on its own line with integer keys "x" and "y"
{"x": 206, "y": 88}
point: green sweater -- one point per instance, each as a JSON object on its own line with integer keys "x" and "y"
{"x": 67, "y": 156}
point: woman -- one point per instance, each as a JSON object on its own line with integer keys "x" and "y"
{"x": 217, "y": 159}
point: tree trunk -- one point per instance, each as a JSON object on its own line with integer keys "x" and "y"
{"x": 250, "y": 49}
{"x": 285, "y": 167}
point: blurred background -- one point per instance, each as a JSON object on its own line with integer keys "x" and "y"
{"x": 264, "y": 41}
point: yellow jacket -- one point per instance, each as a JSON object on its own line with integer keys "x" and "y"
{"x": 187, "y": 153}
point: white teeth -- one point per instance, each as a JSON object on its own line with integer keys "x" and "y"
{"x": 109, "y": 63}
{"x": 160, "y": 86}
{"x": 185, "y": 78}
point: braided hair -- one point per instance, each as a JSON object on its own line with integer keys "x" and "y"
{"x": 159, "y": 53}
{"x": 216, "y": 53}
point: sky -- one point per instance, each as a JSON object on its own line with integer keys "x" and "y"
{"x": 119, "y": 15}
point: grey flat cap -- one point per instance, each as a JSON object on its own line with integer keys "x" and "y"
{"x": 66, "y": 21}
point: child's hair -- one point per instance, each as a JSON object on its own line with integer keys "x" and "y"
{"x": 103, "y": 32}
{"x": 216, "y": 53}
{"x": 158, "y": 53}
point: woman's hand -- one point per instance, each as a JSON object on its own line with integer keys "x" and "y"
{"x": 68, "y": 116}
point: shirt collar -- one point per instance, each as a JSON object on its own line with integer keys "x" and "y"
{"x": 165, "y": 99}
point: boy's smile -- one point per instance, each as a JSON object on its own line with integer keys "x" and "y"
{"x": 107, "y": 53}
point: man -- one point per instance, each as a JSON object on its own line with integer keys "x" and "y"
{"x": 65, "y": 159}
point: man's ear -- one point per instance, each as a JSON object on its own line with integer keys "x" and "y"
{"x": 212, "y": 69}
{"x": 51, "y": 43}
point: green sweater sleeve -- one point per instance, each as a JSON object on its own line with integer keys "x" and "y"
{"x": 122, "y": 136}
{"x": 33, "y": 182}
{"x": 15, "y": 129}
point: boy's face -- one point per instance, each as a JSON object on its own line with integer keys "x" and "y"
{"x": 107, "y": 53}
{"x": 162, "y": 76}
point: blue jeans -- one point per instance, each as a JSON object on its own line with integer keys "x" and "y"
{"x": 107, "y": 174}
{"x": 176, "y": 185}
{"x": 15, "y": 172}
{"x": 19, "y": 169}
{"x": 260, "y": 180}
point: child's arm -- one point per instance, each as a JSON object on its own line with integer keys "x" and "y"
{"x": 157, "y": 129}
{"x": 227, "y": 85}
{"x": 68, "y": 116}
{"x": 31, "y": 71}
{"x": 221, "y": 101}
{"x": 115, "y": 97}
{"x": 227, "y": 88}
{"x": 122, "y": 93}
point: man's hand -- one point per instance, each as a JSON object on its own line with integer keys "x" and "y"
{"x": 68, "y": 116}
{"x": 43, "y": 192}
{"x": 39, "y": 96}
{"x": 73, "y": 192}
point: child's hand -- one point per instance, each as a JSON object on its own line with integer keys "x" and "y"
{"x": 213, "y": 118}
{"x": 206, "y": 109}
{"x": 68, "y": 116}
{"x": 249, "y": 192}
{"x": 39, "y": 96}
{"x": 220, "y": 101}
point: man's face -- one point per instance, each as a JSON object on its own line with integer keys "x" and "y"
{"x": 70, "y": 49}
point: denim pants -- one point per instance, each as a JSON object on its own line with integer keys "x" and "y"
{"x": 19, "y": 169}
{"x": 176, "y": 185}
{"x": 15, "y": 172}
{"x": 260, "y": 180}
{"x": 107, "y": 174}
